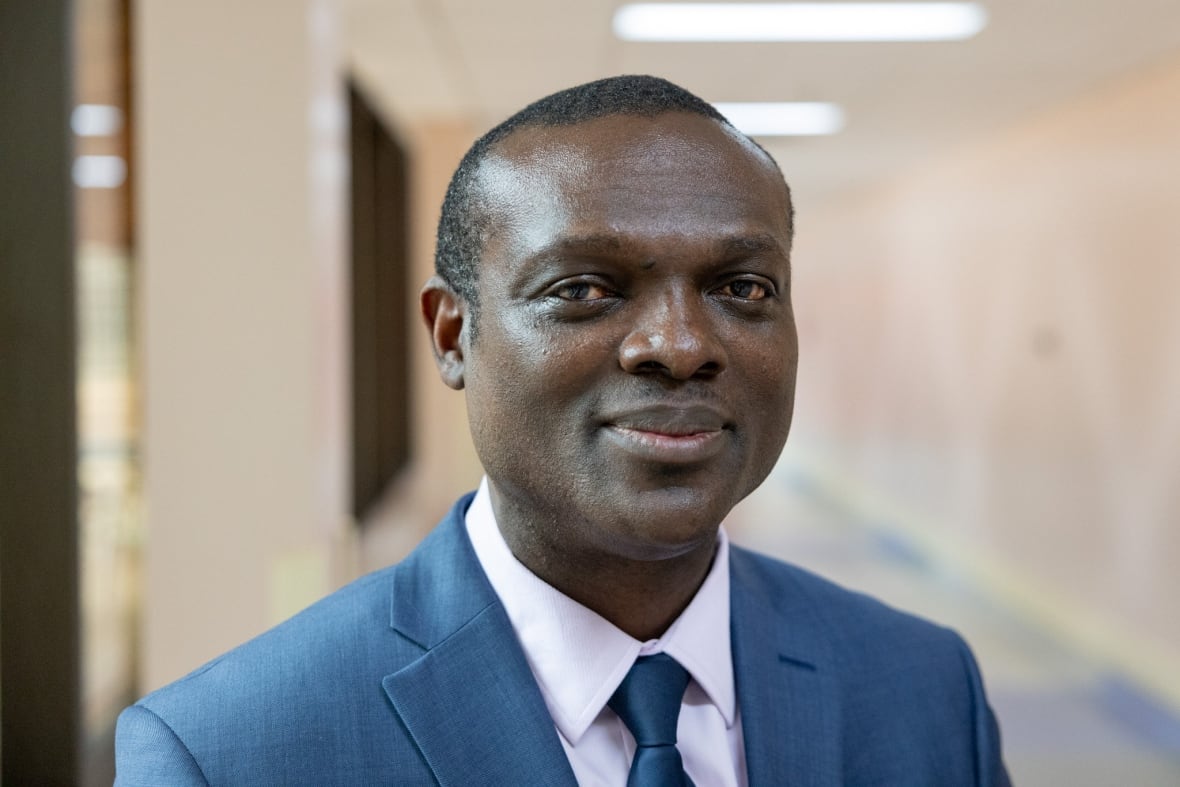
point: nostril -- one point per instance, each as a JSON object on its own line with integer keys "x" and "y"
{"x": 708, "y": 369}
{"x": 650, "y": 366}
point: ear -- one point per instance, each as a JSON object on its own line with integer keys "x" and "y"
{"x": 445, "y": 314}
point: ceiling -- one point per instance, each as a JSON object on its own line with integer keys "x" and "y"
{"x": 485, "y": 59}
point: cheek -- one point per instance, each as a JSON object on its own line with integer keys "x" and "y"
{"x": 772, "y": 388}
{"x": 524, "y": 389}
{"x": 561, "y": 363}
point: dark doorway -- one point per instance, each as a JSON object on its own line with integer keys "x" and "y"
{"x": 380, "y": 280}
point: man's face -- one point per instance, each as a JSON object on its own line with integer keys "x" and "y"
{"x": 633, "y": 371}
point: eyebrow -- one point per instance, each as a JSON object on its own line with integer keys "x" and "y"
{"x": 752, "y": 244}
{"x": 610, "y": 245}
{"x": 602, "y": 244}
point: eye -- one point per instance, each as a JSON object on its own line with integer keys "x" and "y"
{"x": 746, "y": 289}
{"x": 580, "y": 291}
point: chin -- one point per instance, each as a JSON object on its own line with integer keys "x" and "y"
{"x": 672, "y": 521}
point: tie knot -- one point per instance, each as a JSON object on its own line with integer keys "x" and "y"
{"x": 648, "y": 700}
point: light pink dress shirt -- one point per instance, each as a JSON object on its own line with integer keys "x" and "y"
{"x": 579, "y": 659}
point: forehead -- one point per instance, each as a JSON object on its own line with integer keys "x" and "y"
{"x": 670, "y": 173}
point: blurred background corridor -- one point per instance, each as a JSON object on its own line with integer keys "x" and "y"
{"x": 218, "y": 404}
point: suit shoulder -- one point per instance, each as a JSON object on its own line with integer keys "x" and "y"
{"x": 344, "y": 629}
{"x": 847, "y": 616}
{"x": 305, "y": 702}
{"x": 310, "y": 685}
{"x": 880, "y": 664}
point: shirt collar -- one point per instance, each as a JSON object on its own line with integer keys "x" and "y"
{"x": 578, "y": 657}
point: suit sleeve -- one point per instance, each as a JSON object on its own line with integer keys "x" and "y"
{"x": 989, "y": 763}
{"x": 148, "y": 752}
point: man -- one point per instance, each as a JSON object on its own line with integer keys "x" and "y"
{"x": 613, "y": 292}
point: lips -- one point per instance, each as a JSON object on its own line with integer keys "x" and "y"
{"x": 667, "y": 434}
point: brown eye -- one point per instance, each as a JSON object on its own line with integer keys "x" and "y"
{"x": 747, "y": 290}
{"x": 580, "y": 291}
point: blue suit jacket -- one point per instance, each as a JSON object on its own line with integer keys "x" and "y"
{"x": 413, "y": 675}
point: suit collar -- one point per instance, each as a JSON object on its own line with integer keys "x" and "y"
{"x": 788, "y": 693}
{"x": 439, "y": 587}
{"x": 470, "y": 701}
{"x": 578, "y": 657}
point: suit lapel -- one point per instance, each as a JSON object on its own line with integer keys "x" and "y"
{"x": 470, "y": 702}
{"x": 788, "y": 692}
{"x": 474, "y": 710}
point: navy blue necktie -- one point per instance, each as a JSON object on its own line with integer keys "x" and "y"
{"x": 648, "y": 702}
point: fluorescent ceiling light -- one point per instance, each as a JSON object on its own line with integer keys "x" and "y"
{"x": 799, "y": 21}
{"x": 787, "y": 119}
{"x": 96, "y": 120}
{"x": 99, "y": 172}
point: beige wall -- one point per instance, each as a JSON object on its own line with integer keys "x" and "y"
{"x": 242, "y": 252}
{"x": 991, "y": 361}
{"x": 242, "y": 171}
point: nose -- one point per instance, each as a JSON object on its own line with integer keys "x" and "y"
{"x": 673, "y": 336}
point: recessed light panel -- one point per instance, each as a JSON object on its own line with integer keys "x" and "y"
{"x": 785, "y": 119}
{"x": 799, "y": 21}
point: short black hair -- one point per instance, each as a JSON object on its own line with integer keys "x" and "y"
{"x": 463, "y": 225}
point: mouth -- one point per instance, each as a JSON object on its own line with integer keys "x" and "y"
{"x": 669, "y": 435}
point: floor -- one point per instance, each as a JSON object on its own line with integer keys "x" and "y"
{"x": 1065, "y": 720}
